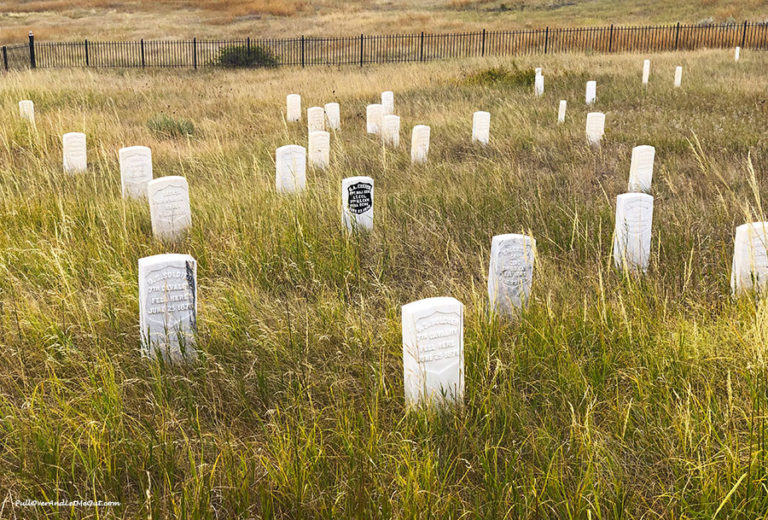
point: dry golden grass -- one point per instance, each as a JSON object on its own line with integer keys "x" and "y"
{"x": 114, "y": 19}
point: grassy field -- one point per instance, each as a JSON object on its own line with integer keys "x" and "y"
{"x": 610, "y": 397}
{"x": 217, "y": 19}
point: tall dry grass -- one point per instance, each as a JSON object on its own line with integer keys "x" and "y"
{"x": 610, "y": 397}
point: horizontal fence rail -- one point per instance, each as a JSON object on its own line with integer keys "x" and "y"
{"x": 360, "y": 50}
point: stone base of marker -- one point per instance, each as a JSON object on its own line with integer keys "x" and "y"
{"x": 168, "y": 306}
{"x": 357, "y": 203}
{"x": 749, "y": 269}
{"x": 169, "y": 207}
{"x": 632, "y": 232}
{"x": 433, "y": 351}
{"x": 290, "y": 169}
{"x": 135, "y": 170}
{"x": 510, "y": 273}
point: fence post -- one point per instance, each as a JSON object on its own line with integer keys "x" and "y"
{"x": 482, "y": 51}
{"x": 142, "y": 53}
{"x": 546, "y": 39}
{"x": 610, "y": 40}
{"x": 744, "y": 34}
{"x": 302, "y": 51}
{"x": 677, "y": 35}
{"x": 32, "y": 61}
{"x": 87, "y": 59}
{"x": 421, "y": 47}
{"x": 248, "y": 45}
{"x": 361, "y": 50}
{"x": 5, "y": 57}
{"x": 194, "y": 53}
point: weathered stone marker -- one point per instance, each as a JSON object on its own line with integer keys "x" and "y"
{"x": 538, "y": 85}
{"x": 736, "y": 54}
{"x": 319, "y": 149}
{"x": 641, "y": 168}
{"x": 561, "y": 111}
{"x": 419, "y": 143}
{"x": 135, "y": 170}
{"x": 591, "y": 93}
{"x": 290, "y": 168}
{"x": 481, "y": 127}
{"x": 678, "y": 76}
{"x": 315, "y": 119}
{"x": 168, "y": 306}
{"x": 749, "y": 270}
{"x": 27, "y": 110}
{"x": 632, "y": 234}
{"x": 595, "y": 128}
{"x": 374, "y": 115}
{"x": 357, "y": 203}
{"x": 433, "y": 351}
{"x": 391, "y": 131}
{"x": 74, "y": 152}
{"x": 293, "y": 108}
{"x": 510, "y": 273}
{"x": 388, "y": 102}
{"x": 333, "y": 116}
{"x": 169, "y": 207}
{"x": 646, "y": 71}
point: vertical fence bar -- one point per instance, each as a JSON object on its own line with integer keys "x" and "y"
{"x": 32, "y": 50}
{"x": 5, "y": 57}
{"x": 248, "y": 48}
{"x": 194, "y": 53}
{"x": 482, "y": 50}
{"x": 302, "y": 51}
{"x": 546, "y": 40}
{"x": 610, "y": 40}
{"x": 361, "y": 50}
{"x": 143, "y": 64}
{"x": 87, "y": 58}
{"x": 744, "y": 34}
{"x": 677, "y": 35}
{"x": 421, "y": 49}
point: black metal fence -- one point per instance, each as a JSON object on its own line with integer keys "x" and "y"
{"x": 359, "y": 50}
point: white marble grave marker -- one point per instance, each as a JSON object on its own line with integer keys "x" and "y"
{"x": 374, "y": 115}
{"x": 433, "y": 351}
{"x": 135, "y": 170}
{"x": 591, "y": 94}
{"x": 678, "y": 76}
{"x": 293, "y": 108}
{"x": 737, "y": 54}
{"x": 646, "y": 71}
{"x": 391, "y": 131}
{"x": 357, "y": 203}
{"x": 290, "y": 168}
{"x": 168, "y": 306}
{"x": 750, "y": 258}
{"x": 27, "y": 110}
{"x": 169, "y": 207}
{"x": 388, "y": 102}
{"x": 538, "y": 85}
{"x": 481, "y": 127}
{"x": 595, "y": 128}
{"x": 319, "y": 149}
{"x": 315, "y": 119}
{"x": 75, "y": 153}
{"x": 632, "y": 234}
{"x": 510, "y": 273}
{"x": 641, "y": 168}
{"x": 419, "y": 143}
{"x": 333, "y": 116}
{"x": 561, "y": 111}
